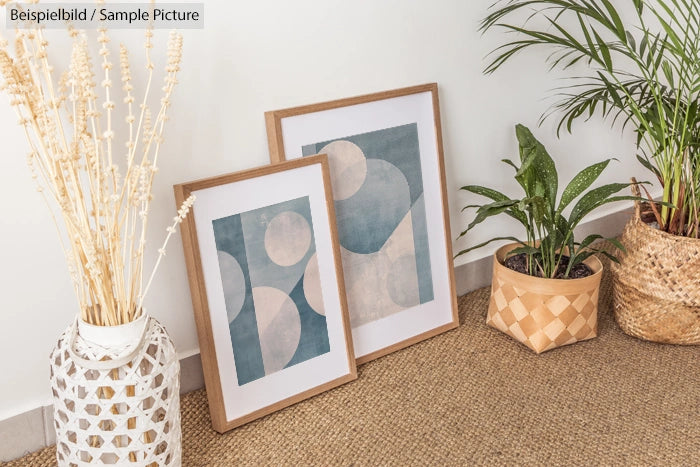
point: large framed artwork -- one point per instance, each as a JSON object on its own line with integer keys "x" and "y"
{"x": 388, "y": 178}
{"x": 267, "y": 288}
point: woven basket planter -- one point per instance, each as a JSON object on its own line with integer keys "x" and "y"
{"x": 116, "y": 402}
{"x": 543, "y": 313}
{"x": 656, "y": 286}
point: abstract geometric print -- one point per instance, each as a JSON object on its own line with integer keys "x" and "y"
{"x": 380, "y": 210}
{"x": 272, "y": 288}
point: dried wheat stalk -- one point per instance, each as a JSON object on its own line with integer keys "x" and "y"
{"x": 102, "y": 192}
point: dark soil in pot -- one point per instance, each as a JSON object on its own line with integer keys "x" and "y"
{"x": 518, "y": 263}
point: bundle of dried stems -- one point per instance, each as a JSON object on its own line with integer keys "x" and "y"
{"x": 102, "y": 193}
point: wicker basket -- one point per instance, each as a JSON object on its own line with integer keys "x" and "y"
{"x": 543, "y": 313}
{"x": 116, "y": 403}
{"x": 656, "y": 286}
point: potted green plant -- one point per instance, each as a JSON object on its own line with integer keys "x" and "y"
{"x": 544, "y": 291}
{"x": 642, "y": 71}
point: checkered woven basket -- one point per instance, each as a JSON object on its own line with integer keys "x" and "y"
{"x": 543, "y": 313}
{"x": 117, "y": 405}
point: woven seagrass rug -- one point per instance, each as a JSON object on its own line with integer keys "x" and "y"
{"x": 473, "y": 396}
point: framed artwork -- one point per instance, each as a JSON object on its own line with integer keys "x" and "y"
{"x": 388, "y": 179}
{"x": 267, "y": 288}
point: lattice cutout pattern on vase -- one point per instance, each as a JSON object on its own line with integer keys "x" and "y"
{"x": 542, "y": 322}
{"x": 127, "y": 414}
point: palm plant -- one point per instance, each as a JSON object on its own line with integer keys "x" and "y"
{"x": 645, "y": 73}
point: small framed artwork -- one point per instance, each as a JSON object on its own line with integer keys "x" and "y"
{"x": 388, "y": 178}
{"x": 267, "y": 288}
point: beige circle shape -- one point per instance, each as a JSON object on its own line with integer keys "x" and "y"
{"x": 233, "y": 283}
{"x": 348, "y": 168}
{"x": 287, "y": 238}
{"x": 279, "y": 327}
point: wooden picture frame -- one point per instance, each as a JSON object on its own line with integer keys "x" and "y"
{"x": 388, "y": 176}
{"x": 267, "y": 288}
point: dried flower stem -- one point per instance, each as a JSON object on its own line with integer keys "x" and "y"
{"x": 76, "y": 168}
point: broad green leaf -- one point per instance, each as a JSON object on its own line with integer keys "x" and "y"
{"x": 495, "y": 239}
{"x": 617, "y": 244}
{"x": 527, "y": 249}
{"x": 613, "y": 199}
{"x": 535, "y": 206}
{"x": 543, "y": 168}
{"x": 525, "y": 175}
{"x": 489, "y": 210}
{"x": 580, "y": 182}
{"x": 562, "y": 225}
{"x": 486, "y": 192}
{"x": 611, "y": 257}
{"x": 471, "y": 206}
{"x": 593, "y": 199}
{"x": 601, "y": 251}
{"x": 580, "y": 258}
{"x": 495, "y": 196}
{"x": 547, "y": 173}
{"x": 588, "y": 240}
{"x": 648, "y": 165}
{"x": 526, "y": 139}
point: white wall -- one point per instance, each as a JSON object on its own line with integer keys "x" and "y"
{"x": 266, "y": 55}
